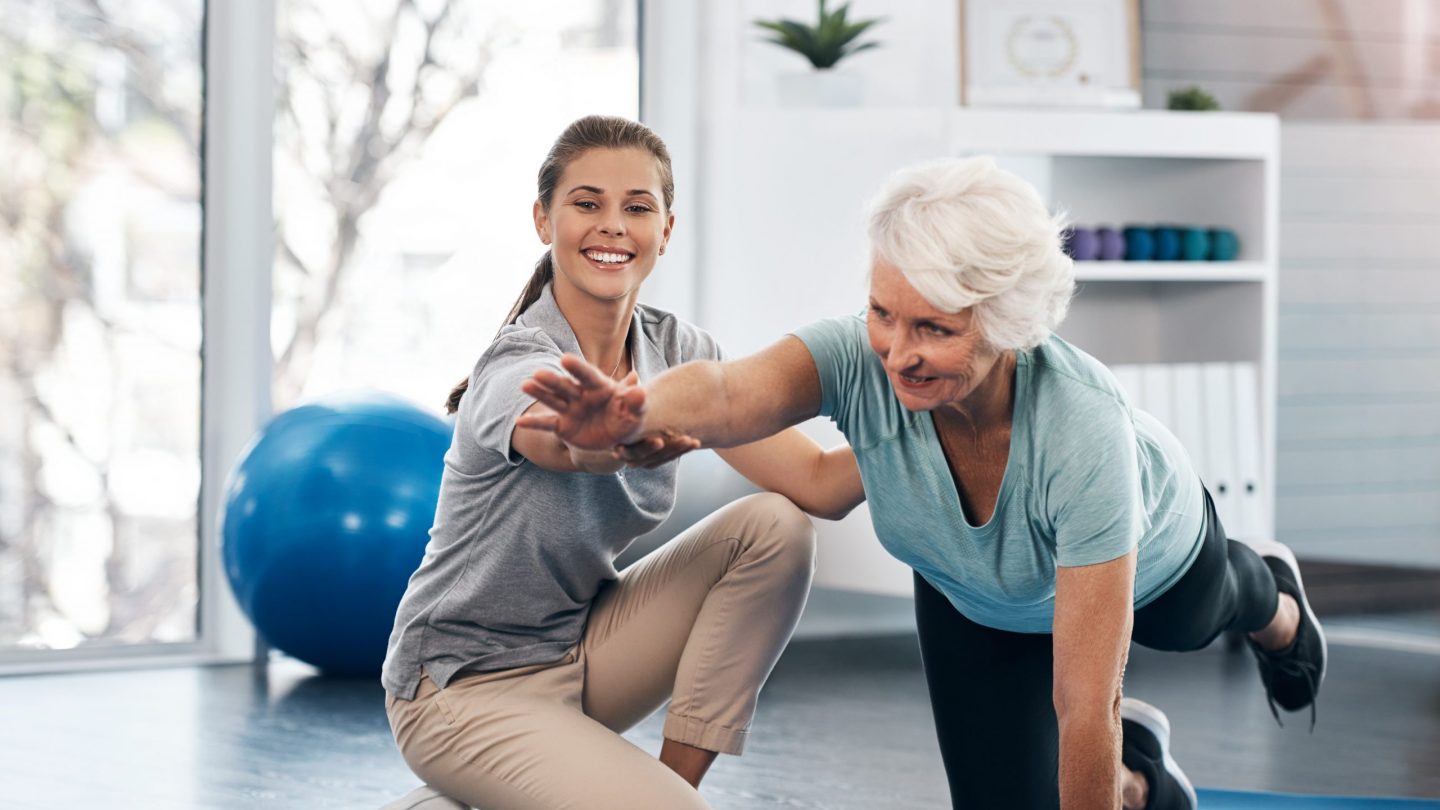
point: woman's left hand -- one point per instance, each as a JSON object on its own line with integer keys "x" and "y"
{"x": 653, "y": 451}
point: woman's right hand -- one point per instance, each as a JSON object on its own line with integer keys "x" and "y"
{"x": 589, "y": 410}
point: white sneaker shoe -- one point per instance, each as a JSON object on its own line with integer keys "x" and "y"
{"x": 425, "y": 798}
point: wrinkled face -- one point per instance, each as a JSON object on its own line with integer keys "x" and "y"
{"x": 606, "y": 223}
{"x": 933, "y": 358}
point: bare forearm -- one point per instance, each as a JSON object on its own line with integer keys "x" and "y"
{"x": 837, "y": 485}
{"x": 1093, "y": 618}
{"x": 823, "y": 483}
{"x": 697, "y": 399}
{"x": 557, "y": 456}
{"x": 1089, "y": 762}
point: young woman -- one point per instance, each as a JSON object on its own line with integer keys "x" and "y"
{"x": 1048, "y": 523}
{"x": 519, "y": 654}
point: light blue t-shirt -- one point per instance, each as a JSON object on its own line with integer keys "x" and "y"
{"x": 1088, "y": 478}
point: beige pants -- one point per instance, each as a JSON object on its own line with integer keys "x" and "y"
{"x": 700, "y": 621}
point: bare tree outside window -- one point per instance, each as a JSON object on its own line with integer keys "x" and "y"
{"x": 408, "y": 135}
{"x": 100, "y": 107}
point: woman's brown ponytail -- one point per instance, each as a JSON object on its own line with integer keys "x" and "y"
{"x": 590, "y": 132}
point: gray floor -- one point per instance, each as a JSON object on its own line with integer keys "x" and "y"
{"x": 844, "y": 723}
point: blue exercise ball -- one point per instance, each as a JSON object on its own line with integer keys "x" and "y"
{"x": 326, "y": 516}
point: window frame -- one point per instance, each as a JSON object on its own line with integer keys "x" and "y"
{"x": 237, "y": 144}
{"x": 236, "y": 224}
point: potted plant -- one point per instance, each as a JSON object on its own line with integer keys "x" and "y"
{"x": 1191, "y": 98}
{"x": 831, "y": 38}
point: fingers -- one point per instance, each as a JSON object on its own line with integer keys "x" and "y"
{"x": 670, "y": 453}
{"x": 654, "y": 451}
{"x": 549, "y": 397}
{"x": 548, "y": 422}
{"x": 584, "y": 373}
{"x": 561, "y": 384}
{"x": 638, "y": 453}
{"x": 632, "y": 401}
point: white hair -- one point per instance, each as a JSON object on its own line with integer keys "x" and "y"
{"x": 965, "y": 234}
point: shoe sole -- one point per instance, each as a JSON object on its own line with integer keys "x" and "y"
{"x": 425, "y": 798}
{"x": 1282, "y": 552}
{"x": 1155, "y": 721}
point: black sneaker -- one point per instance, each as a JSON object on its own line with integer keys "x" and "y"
{"x": 1145, "y": 749}
{"x": 1292, "y": 676}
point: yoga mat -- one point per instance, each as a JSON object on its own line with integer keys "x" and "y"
{"x": 1245, "y": 800}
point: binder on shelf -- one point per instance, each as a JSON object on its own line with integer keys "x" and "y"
{"x": 1220, "y": 445}
{"x": 1250, "y": 495}
{"x": 1213, "y": 409}
{"x": 1155, "y": 388}
{"x": 1188, "y": 404}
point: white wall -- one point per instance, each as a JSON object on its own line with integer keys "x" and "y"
{"x": 1359, "y": 399}
{"x": 1304, "y": 59}
{"x": 914, "y": 65}
{"x": 1359, "y": 333}
{"x": 1359, "y": 338}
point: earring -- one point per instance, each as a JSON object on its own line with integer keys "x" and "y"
{"x": 662, "y": 250}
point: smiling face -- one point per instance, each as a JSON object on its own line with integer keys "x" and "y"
{"x": 933, "y": 358}
{"x": 606, "y": 223}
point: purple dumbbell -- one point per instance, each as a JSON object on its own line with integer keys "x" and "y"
{"x": 1112, "y": 244}
{"x": 1082, "y": 244}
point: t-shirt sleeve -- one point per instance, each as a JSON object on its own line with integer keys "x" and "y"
{"x": 1097, "y": 505}
{"x": 494, "y": 400}
{"x": 697, "y": 344}
{"x": 839, "y": 348}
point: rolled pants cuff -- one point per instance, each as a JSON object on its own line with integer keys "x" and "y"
{"x": 697, "y": 733}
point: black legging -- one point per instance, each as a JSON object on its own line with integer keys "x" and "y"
{"x": 991, "y": 690}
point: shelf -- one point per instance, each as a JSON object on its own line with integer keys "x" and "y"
{"x": 1056, "y": 133}
{"x": 1172, "y": 271}
{"x": 1140, "y": 133}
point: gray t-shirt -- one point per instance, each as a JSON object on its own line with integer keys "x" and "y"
{"x": 517, "y": 553}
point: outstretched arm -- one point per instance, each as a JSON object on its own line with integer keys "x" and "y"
{"x": 547, "y": 450}
{"x": 824, "y": 483}
{"x": 720, "y": 404}
{"x": 741, "y": 408}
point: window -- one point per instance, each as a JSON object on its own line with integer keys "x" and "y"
{"x": 407, "y": 135}
{"x": 407, "y": 140}
{"x": 100, "y": 321}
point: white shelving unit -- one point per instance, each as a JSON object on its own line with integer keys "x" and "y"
{"x": 781, "y": 242}
{"x": 1169, "y": 272}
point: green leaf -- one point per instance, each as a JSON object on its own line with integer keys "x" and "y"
{"x": 852, "y": 31}
{"x": 864, "y": 46}
{"x": 827, "y": 41}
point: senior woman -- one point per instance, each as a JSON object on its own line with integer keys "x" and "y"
{"x": 1047, "y": 521}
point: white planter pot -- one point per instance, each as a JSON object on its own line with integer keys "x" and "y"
{"x": 821, "y": 88}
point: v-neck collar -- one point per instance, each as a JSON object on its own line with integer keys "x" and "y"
{"x": 545, "y": 314}
{"x": 1019, "y": 434}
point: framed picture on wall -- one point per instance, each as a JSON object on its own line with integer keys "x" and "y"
{"x": 1050, "y": 53}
